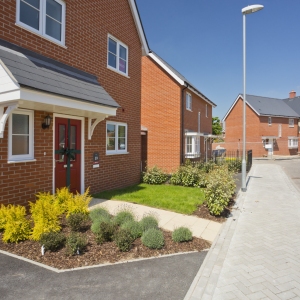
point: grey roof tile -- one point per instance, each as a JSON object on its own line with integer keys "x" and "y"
{"x": 270, "y": 106}
{"x": 36, "y": 71}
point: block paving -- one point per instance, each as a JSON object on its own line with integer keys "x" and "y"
{"x": 256, "y": 255}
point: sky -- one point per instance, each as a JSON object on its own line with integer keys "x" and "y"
{"x": 203, "y": 40}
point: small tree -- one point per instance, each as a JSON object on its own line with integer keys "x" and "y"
{"x": 216, "y": 126}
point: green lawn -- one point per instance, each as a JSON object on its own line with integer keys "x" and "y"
{"x": 170, "y": 197}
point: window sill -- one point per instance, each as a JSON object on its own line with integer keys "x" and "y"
{"x": 42, "y": 36}
{"x": 116, "y": 71}
{"x": 20, "y": 161}
{"x": 116, "y": 153}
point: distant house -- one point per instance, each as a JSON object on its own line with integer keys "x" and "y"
{"x": 70, "y": 90}
{"x": 271, "y": 125}
{"x": 176, "y": 117}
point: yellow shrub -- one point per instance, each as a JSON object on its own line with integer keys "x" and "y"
{"x": 62, "y": 197}
{"x": 16, "y": 227}
{"x": 78, "y": 203}
{"x": 45, "y": 213}
{"x": 3, "y": 213}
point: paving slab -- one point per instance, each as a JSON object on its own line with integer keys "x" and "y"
{"x": 168, "y": 220}
{"x": 256, "y": 254}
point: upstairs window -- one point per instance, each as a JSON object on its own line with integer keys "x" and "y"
{"x": 188, "y": 98}
{"x": 117, "y": 57}
{"x": 291, "y": 122}
{"x": 270, "y": 120}
{"x": 44, "y": 17}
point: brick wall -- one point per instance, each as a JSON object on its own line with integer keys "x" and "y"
{"x": 256, "y": 127}
{"x": 191, "y": 118}
{"x": 161, "y": 115}
{"x": 87, "y": 26}
{"x": 19, "y": 182}
{"x": 161, "y": 101}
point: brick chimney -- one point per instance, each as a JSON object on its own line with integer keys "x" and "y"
{"x": 292, "y": 94}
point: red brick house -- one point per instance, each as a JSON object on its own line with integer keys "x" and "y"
{"x": 176, "y": 117}
{"x": 70, "y": 90}
{"x": 271, "y": 125}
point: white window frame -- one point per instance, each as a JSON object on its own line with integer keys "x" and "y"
{"x": 270, "y": 121}
{"x": 291, "y": 122}
{"x": 116, "y": 150}
{"x": 42, "y": 21}
{"x": 30, "y": 155}
{"x": 292, "y": 142}
{"x": 188, "y": 101}
{"x": 119, "y": 43}
{"x": 195, "y": 145}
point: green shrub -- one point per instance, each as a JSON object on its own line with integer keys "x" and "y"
{"x": 106, "y": 232}
{"x": 176, "y": 177}
{"x": 153, "y": 238}
{"x": 234, "y": 165}
{"x": 220, "y": 188}
{"x": 45, "y": 214}
{"x": 154, "y": 176}
{"x": 123, "y": 216}
{"x": 99, "y": 213}
{"x": 134, "y": 227}
{"x": 123, "y": 240}
{"x": 190, "y": 176}
{"x": 182, "y": 234}
{"x": 16, "y": 226}
{"x": 76, "y": 221}
{"x": 75, "y": 243}
{"x": 52, "y": 241}
{"x": 149, "y": 221}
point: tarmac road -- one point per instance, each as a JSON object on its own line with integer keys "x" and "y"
{"x": 160, "y": 278}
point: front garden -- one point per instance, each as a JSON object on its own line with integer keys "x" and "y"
{"x": 61, "y": 232}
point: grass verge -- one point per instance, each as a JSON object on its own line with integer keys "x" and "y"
{"x": 175, "y": 198}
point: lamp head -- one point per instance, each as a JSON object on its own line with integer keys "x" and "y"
{"x": 252, "y": 9}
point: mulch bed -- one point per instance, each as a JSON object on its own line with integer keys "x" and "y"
{"x": 203, "y": 212}
{"x": 98, "y": 254}
{"x": 108, "y": 252}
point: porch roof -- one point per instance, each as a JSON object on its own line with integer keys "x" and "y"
{"x": 34, "y": 71}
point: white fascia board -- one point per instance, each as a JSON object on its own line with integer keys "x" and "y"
{"x": 201, "y": 96}
{"x": 277, "y": 116}
{"x": 232, "y": 106}
{"x": 168, "y": 70}
{"x": 139, "y": 27}
{"x": 60, "y": 101}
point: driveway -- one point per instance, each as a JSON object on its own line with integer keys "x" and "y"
{"x": 159, "y": 278}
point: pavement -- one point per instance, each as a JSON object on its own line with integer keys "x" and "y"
{"x": 256, "y": 254}
{"x": 168, "y": 220}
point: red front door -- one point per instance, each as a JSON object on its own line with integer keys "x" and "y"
{"x": 67, "y": 154}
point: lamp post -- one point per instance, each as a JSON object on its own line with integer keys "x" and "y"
{"x": 245, "y": 11}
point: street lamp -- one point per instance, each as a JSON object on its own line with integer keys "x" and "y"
{"x": 245, "y": 11}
